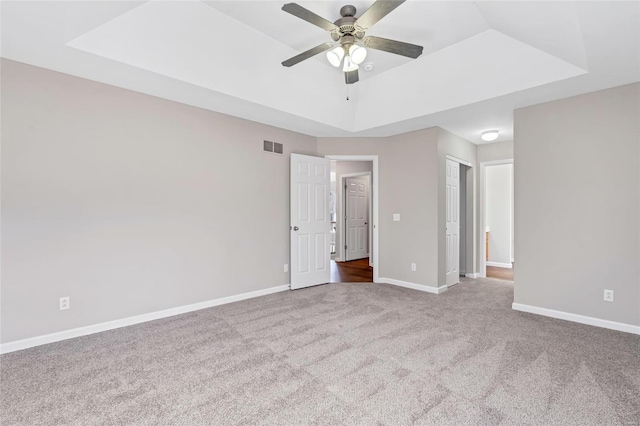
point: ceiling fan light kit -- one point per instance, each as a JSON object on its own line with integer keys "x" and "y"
{"x": 355, "y": 55}
{"x": 349, "y": 33}
{"x": 349, "y": 65}
{"x": 358, "y": 54}
{"x": 335, "y": 56}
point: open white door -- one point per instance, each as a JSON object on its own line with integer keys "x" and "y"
{"x": 453, "y": 222}
{"x": 310, "y": 258}
{"x": 356, "y": 218}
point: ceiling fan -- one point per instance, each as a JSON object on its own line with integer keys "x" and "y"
{"x": 348, "y": 37}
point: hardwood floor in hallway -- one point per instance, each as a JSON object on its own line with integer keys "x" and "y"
{"x": 500, "y": 273}
{"x": 355, "y": 271}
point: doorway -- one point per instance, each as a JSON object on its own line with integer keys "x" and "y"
{"x": 355, "y": 211}
{"x": 498, "y": 259}
{"x": 354, "y": 218}
{"x": 354, "y": 224}
{"x": 354, "y": 271}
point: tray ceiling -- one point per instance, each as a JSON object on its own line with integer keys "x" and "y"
{"x": 481, "y": 59}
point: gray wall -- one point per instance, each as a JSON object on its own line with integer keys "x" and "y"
{"x": 412, "y": 176}
{"x": 495, "y": 151}
{"x": 131, "y": 204}
{"x": 577, "y": 204}
{"x": 345, "y": 168}
{"x": 408, "y": 179}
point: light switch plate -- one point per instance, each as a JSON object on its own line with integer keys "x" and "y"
{"x": 396, "y": 217}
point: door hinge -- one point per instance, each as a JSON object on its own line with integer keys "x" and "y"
{"x": 345, "y": 247}
{"x": 345, "y": 187}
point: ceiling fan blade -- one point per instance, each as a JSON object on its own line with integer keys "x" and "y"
{"x": 309, "y": 16}
{"x": 376, "y": 12}
{"x": 351, "y": 77}
{"x": 393, "y": 46}
{"x": 306, "y": 55}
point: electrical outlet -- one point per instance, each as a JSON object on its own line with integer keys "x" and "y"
{"x": 65, "y": 303}
{"x": 396, "y": 217}
{"x": 286, "y": 267}
{"x": 608, "y": 295}
{"x": 413, "y": 267}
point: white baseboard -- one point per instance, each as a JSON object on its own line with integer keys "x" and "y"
{"x": 414, "y": 286}
{"x": 500, "y": 265}
{"x": 618, "y": 326}
{"x": 124, "y": 322}
{"x": 474, "y": 275}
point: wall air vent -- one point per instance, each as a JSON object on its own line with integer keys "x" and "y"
{"x": 273, "y": 147}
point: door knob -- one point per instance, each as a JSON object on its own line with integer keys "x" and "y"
{"x": 295, "y": 228}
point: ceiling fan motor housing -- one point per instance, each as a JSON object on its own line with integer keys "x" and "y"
{"x": 347, "y": 41}
{"x": 348, "y": 10}
{"x": 346, "y": 24}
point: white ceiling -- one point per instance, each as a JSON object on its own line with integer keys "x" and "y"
{"x": 481, "y": 59}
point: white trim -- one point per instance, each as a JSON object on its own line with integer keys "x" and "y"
{"x": 458, "y": 160}
{"x": 470, "y": 231}
{"x": 374, "y": 192}
{"x": 499, "y": 265}
{"x": 597, "y": 322}
{"x": 474, "y": 275}
{"x": 414, "y": 286}
{"x": 125, "y": 322}
{"x": 340, "y": 222}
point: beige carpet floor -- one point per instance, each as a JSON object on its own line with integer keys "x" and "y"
{"x": 335, "y": 354}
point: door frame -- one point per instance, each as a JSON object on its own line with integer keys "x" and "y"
{"x": 340, "y": 215}
{"x": 375, "y": 259}
{"x": 483, "y": 204}
{"x": 470, "y": 232}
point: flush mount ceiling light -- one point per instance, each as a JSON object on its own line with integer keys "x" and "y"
{"x": 490, "y": 135}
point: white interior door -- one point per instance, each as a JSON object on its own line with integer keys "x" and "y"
{"x": 453, "y": 222}
{"x": 356, "y": 218}
{"x": 310, "y": 258}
